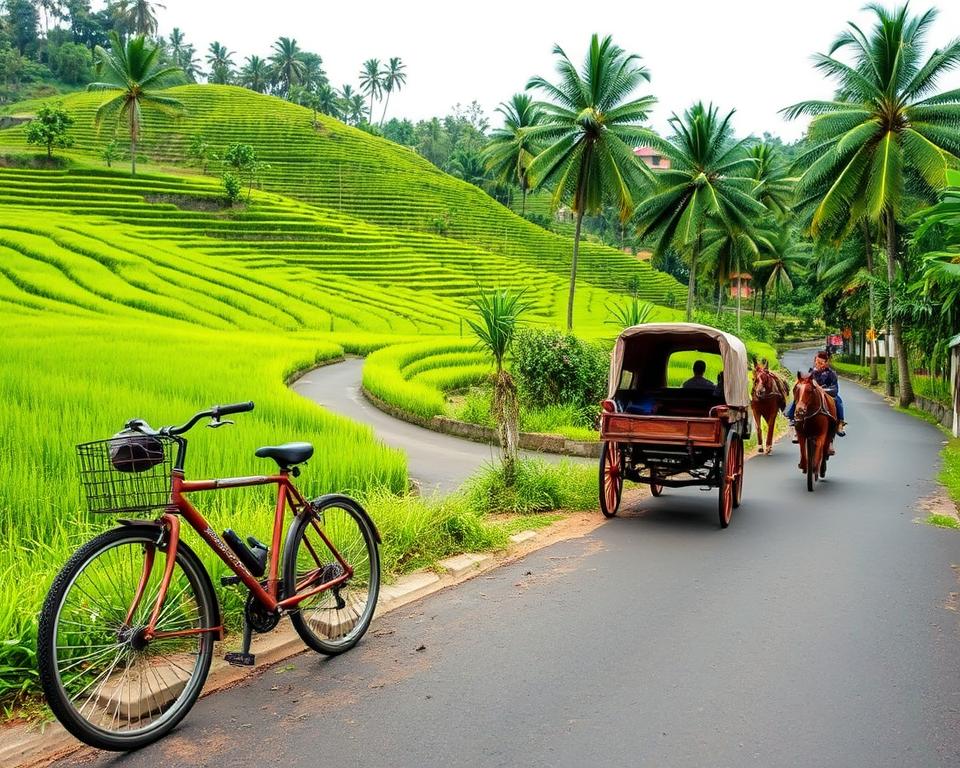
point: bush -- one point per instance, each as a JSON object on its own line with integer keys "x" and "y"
{"x": 537, "y": 487}
{"x": 554, "y": 368}
{"x": 232, "y": 188}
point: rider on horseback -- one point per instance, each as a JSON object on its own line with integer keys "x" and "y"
{"x": 826, "y": 377}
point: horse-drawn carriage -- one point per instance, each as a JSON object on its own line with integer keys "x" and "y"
{"x": 671, "y": 437}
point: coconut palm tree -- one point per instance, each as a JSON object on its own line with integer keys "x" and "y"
{"x": 500, "y": 313}
{"x": 371, "y": 82}
{"x": 287, "y": 66}
{"x": 710, "y": 181}
{"x": 510, "y": 150}
{"x": 313, "y": 73}
{"x": 589, "y": 130}
{"x": 255, "y": 74}
{"x": 132, "y": 71}
{"x": 887, "y": 131}
{"x": 221, "y": 63}
{"x": 328, "y": 102}
{"x": 775, "y": 186}
{"x": 140, "y": 15}
{"x": 730, "y": 249}
{"x": 787, "y": 256}
{"x": 178, "y": 45}
{"x": 393, "y": 79}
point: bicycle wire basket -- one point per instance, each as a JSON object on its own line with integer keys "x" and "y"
{"x": 128, "y": 473}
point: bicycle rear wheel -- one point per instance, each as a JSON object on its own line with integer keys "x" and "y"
{"x": 333, "y": 530}
{"x": 106, "y": 684}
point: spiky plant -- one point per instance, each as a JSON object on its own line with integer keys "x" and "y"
{"x": 499, "y": 314}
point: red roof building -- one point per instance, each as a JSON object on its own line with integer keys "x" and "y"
{"x": 652, "y": 159}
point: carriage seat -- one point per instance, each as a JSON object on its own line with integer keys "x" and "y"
{"x": 668, "y": 401}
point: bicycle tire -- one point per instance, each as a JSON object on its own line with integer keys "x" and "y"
{"x": 190, "y": 600}
{"x": 334, "y": 620}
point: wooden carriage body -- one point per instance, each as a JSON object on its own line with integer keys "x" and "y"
{"x": 668, "y": 437}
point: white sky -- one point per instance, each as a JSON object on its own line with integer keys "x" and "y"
{"x": 750, "y": 54}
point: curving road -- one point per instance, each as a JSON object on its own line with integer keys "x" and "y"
{"x": 819, "y": 630}
{"x": 436, "y": 461}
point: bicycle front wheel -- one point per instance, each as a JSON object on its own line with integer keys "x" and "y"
{"x": 324, "y": 542}
{"x": 108, "y": 685}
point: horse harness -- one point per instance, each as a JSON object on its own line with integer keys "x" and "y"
{"x": 821, "y": 409}
{"x": 774, "y": 390}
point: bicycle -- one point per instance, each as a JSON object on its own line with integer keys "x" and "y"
{"x": 126, "y": 636}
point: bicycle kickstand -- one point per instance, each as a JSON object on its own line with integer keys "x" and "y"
{"x": 242, "y": 658}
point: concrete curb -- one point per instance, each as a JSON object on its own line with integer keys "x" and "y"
{"x": 530, "y": 441}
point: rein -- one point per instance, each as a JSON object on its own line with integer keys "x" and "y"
{"x": 821, "y": 409}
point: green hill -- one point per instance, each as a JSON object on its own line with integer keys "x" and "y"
{"x": 349, "y": 171}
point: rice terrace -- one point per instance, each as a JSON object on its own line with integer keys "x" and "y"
{"x": 321, "y": 379}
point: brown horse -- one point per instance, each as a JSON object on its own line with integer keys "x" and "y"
{"x": 816, "y": 422}
{"x": 767, "y": 397}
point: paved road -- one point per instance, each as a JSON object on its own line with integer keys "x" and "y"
{"x": 814, "y": 632}
{"x": 439, "y": 462}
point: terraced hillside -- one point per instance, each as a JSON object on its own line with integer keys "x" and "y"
{"x": 340, "y": 168}
{"x": 273, "y": 263}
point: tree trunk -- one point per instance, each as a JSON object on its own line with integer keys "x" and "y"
{"x": 903, "y": 364}
{"x": 573, "y": 269}
{"x": 507, "y": 413}
{"x": 523, "y": 205}
{"x": 739, "y": 292}
{"x": 692, "y": 281}
{"x": 868, "y": 242}
{"x": 386, "y": 104}
{"x": 133, "y": 156}
{"x": 719, "y": 300}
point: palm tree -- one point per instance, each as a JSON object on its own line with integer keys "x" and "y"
{"x": 730, "y": 248}
{"x": 887, "y": 126}
{"x": 510, "y": 150}
{"x": 710, "y": 179}
{"x": 140, "y": 15}
{"x": 313, "y": 74}
{"x": 371, "y": 82}
{"x": 178, "y": 45}
{"x": 132, "y": 71}
{"x": 591, "y": 129}
{"x": 787, "y": 256}
{"x": 393, "y": 79}
{"x": 775, "y": 186}
{"x": 356, "y": 109}
{"x": 287, "y": 66}
{"x": 500, "y": 312}
{"x": 221, "y": 63}
{"x": 328, "y": 102}
{"x": 255, "y": 74}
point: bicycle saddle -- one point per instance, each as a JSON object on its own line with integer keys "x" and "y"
{"x": 286, "y": 455}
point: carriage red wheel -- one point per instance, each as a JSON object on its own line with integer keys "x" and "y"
{"x": 611, "y": 478}
{"x": 726, "y": 479}
{"x": 738, "y": 486}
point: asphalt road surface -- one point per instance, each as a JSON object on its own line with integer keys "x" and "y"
{"x": 438, "y": 462}
{"x": 817, "y": 630}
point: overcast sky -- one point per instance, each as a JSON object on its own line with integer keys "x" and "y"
{"x": 753, "y": 55}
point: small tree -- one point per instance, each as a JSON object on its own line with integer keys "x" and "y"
{"x": 499, "y": 314}
{"x": 232, "y": 187}
{"x": 110, "y": 152}
{"x": 201, "y": 151}
{"x": 49, "y": 128}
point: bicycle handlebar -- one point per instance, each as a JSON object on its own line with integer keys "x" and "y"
{"x": 214, "y": 413}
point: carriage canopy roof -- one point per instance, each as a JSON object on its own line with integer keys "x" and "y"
{"x": 648, "y": 347}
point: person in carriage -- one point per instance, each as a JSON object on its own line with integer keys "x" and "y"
{"x": 826, "y": 377}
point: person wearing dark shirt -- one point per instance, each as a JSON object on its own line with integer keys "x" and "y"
{"x": 826, "y": 377}
{"x": 698, "y": 380}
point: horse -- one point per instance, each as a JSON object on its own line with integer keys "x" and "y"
{"x": 767, "y": 396}
{"x": 816, "y": 423}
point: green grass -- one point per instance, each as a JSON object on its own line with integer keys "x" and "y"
{"x": 943, "y": 521}
{"x": 539, "y": 487}
{"x": 950, "y": 473}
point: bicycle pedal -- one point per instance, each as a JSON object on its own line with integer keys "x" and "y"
{"x": 229, "y": 581}
{"x": 239, "y": 659}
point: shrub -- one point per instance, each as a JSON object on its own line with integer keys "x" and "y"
{"x": 232, "y": 187}
{"x": 556, "y": 368}
{"x": 49, "y": 128}
{"x": 537, "y": 487}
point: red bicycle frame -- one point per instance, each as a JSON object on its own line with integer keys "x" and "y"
{"x": 179, "y": 505}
